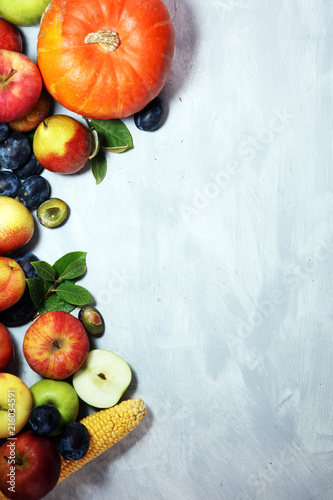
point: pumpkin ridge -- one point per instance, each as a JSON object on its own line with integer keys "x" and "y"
{"x": 106, "y": 61}
{"x": 149, "y": 93}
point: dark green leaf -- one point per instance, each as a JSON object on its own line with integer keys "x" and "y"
{"x": 55, "y": 303}
{"x": 113, "y": 133}
{"x": 73, "y": 270}
{"x": 38, "y": 288}
{"x": 74, "y": 294}
{"x": 44, "y": 270}
{"x": 99, "y": 166}
{"x": 61, "y": 264}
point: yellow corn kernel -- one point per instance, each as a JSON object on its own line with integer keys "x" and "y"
{"x": 106, "y": 428}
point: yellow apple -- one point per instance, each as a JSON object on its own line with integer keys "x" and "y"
{"x": 16, "y": 225}
{"x": 12, "y": 282}
{"x": 15, "y": 404}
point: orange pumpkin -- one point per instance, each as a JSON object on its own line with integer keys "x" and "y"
{"x": 105, "y": 58}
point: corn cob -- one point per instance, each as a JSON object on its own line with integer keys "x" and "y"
{"x": 106, "y": 428}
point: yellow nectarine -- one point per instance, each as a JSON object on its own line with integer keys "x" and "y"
{"x": 16, "y": 225}
{"x": 12, "y": 282}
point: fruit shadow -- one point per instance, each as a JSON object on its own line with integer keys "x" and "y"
{"x": 186, "y": 43}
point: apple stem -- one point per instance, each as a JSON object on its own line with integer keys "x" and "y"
{"x": 56, "y": 344}
{"x": 6, "y": 78}
{"x": 42, "y": 118}
{"x": 17, "y": 461}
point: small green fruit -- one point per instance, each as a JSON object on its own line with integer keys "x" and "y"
{"x": 92, "y": 320}
{"x": 52, "y": 212}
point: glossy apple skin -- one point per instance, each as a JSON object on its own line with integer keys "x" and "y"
{"x": 20, "y": 85}
{"x": 17, "y": 225}
{"x": 56, "y": 345}
{"x": 62, "y": 144}
{"x": 7, "y": 350}
{"x": 15, "y": 404}
{"x": 38, "y": 471}
{"x": 10, "y": 37}
{"x": 33, "y": 119}
{"x": 60, "y": 394}
{"x": 12, "y": 282}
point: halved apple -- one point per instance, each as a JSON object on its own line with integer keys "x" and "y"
{"x": 102, "y": 379}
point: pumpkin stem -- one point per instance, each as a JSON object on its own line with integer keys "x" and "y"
{"x": 109, "y": 40}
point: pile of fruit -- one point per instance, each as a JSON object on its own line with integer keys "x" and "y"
{"x": 38, "y": 425}
{"x": 103, "y": 60}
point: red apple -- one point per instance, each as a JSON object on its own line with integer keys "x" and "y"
{"x": 29, "y": 467}
{"x": 56, "y": 345}
{"x": 10, "y": 37}
{"x": 6, "y": 347}
{"x": 35, "y": 117}
{"x": 20, "y": 85}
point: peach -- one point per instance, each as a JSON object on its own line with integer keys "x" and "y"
{"x": 16, "y": 225}
{"x": 12, "y": 282}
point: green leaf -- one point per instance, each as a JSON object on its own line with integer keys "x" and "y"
{"x": 38, "y": 288}
{"x": 55, "y": 303}
{"x": 61, "y": 264}
{"x": 99, "y": 166}
{"x": 44, "y": 270}
{"x": 74, "y": 294}
{"x": 113, "y": 134}
{"x": 95, "y": 148}
{"x": 73, "y": 270}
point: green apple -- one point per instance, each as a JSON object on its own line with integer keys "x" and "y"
{"x": 102, "y": 379}
{"x": 23, "y": 12}
{"x": 60, "y": 394}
